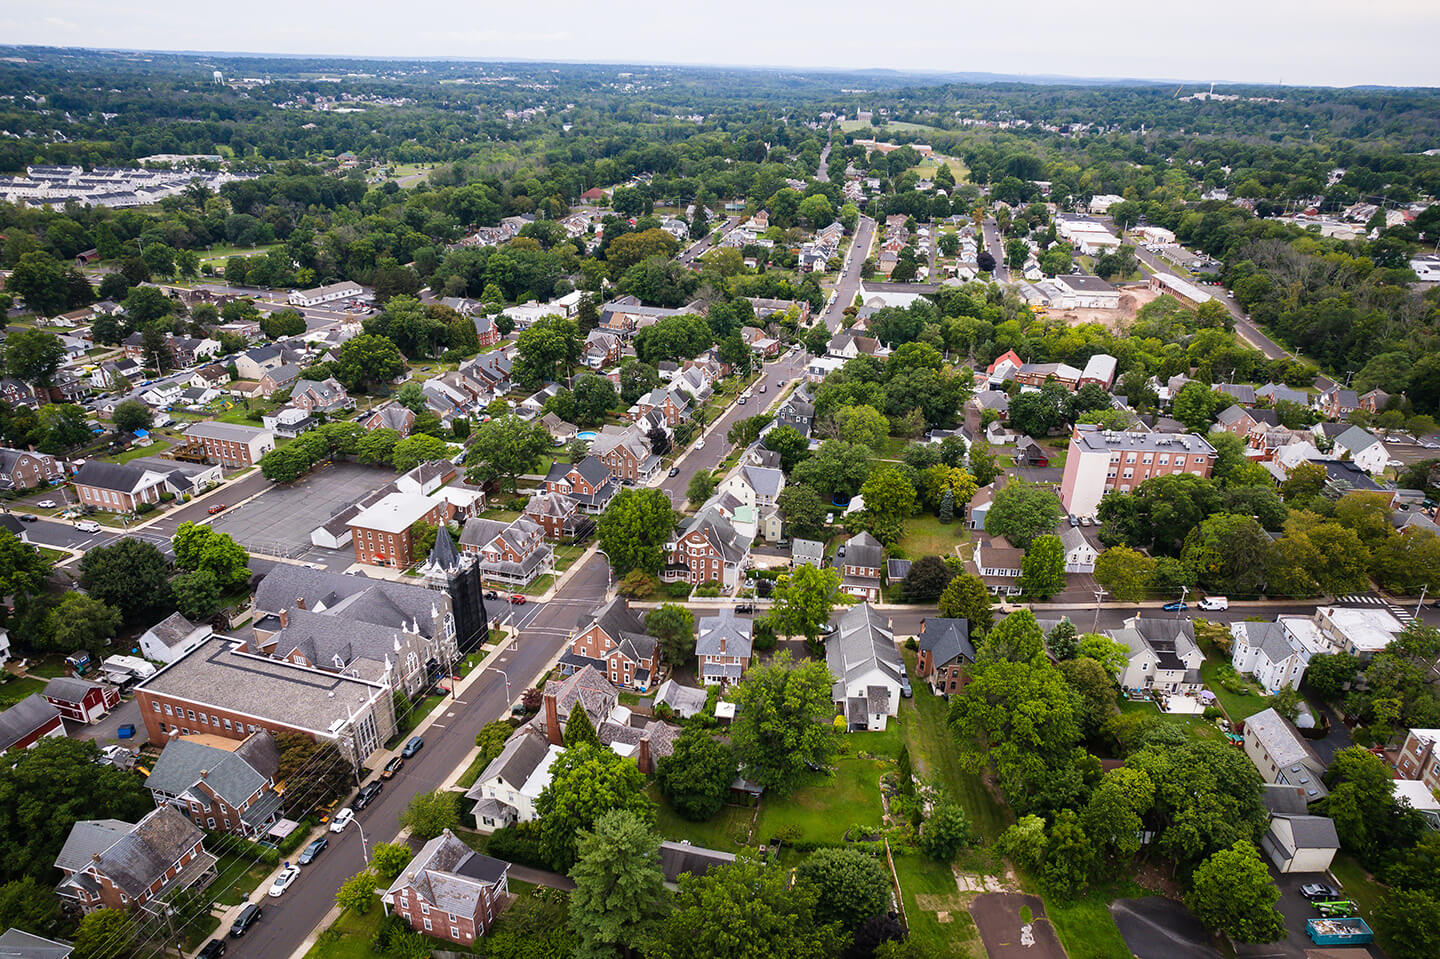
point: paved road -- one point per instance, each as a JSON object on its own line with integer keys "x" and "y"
{"x": 700, "y": 246}
{"x": 996, "y": 247}
{"x": 849, "y": 283}
{"x": 544, "y": 629}
{"x": 823, "y": 174}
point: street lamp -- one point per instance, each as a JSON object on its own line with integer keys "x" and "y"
{"x": 609, "y": 570}
{"x": 495, "y": 669}
{"x": 1183, "y": 591}
{"x": 1419, "y": 605}
{"x": 364, "y": 847}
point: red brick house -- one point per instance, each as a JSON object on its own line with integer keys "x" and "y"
{"x": 449, "y": 891}
{"x": 626, "y": 455}
{"x": 81, "y": 700}
{"x": 1418, "y": 758}
{"x": 708, "y": 548}
{"x": 487, "y": 334}
{"x": 514, "y": 554}
{"x": 945, "y": 649}
{"x": 118, "y": 487}
{"x": 23, "y": 469}
{"x": 380, "y": 534}
{"x": 110, "y": 864}
{"x": 231, "y": 444}
{"x": 860, "y": 568}
{"x": 588, "y": 482}
{"x": 391, "y": 416}
{"x": 673, "y": 404}
{"x": 220, "y": 783}
{"x": 554, "y": 513}
{"x": 616, "y": 645}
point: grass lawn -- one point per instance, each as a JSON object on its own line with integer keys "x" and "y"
{"x": 16, "y": 688}
{"x": 154, "y": 449}
{"x": 239, "y": 874}
{"x": 354, "y": 933}
{"x": 418, "y": 711}
{"x": 539, "y": 586}
{"x": 199, "y": 930}
{"x": 1196, "y": 727}
{"x": 1357, "y": 884}
{"x": 893, "y": 448}
{"x": 927, "y": 889}
{"x": 1086, "y": 928}
{"x": 1237, "y": 705}
{"x": 895, "y": 126}
{"x": 222, "y": 251}
{"x": 719, "y": 832}
{"x": 827, "y": 806}
{"x": 925, "y": 535}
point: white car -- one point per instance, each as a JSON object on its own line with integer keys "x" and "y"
{"x": 699, "y": 444}
{"x": 88, "y": 526}
{"x": 342, "y": 819}
{"x": 289, "y": 874}
{"x": 46, "y": 504}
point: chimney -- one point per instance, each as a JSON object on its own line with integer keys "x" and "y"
{"x": 642, "y": 757}
{"x": 284, "y": 618}
{"x": 299, "y": 602}
{"x": 204, "y": 774}
{"x": 722, "y": 645}
{"x": 553, "y": 732}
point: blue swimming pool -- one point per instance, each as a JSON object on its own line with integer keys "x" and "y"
{"x": 586, "y": 435}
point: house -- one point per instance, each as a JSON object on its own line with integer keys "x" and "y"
{"x": 449, "y": 891}
{"x": 514, "y": 554}
{"x": 173, "y": 637}
{"x": 220, "y": 689}
{"x": 558, "y": 515}
{"x": 798, "y": 414}
{"x": 627, "y": 453}
{"x": 602, "y": 350}
{"x": 113, "y": 374}
{"x": 209, "y": 377}
{"x": 945, "y": 650}
{"x": 999, "y": 564}
{"x": 803, "y": 551}
{"x": 29, "y": 721}
{"x": 507, "y": 788}
{"x": 1080, "y": 552}
{"x": 487, "y": 331}
{"x": 589, "y": 483}
{"x": 280, "y": 378}
{"x": 81, "y": 700}
{"x": 860, "y": 567}
{"x": 1418, "y": 758}
{"x": 109, "y": 864}
{"x": 315, "y": 296}
{"x": 1270, "y": 653}
{"x": 1360, "y": 632}
{"x": 1294, "y": 840}
{"x": 1100, "y": 370}
{"x": 18, "y": 944}
{"x": 683, "y": 701}
{"x": 708, "y": 548}
{"x": 1161, "y": 655}
{"x": 615, "y": 644}
{"x": 673, "y": 403}
{"x": 1038, "y": 374}
{"x": 391, "y": 416}
{"x": 1376, "y": 401}
{"x": 1101, "y": 460}
{"x": 1282, "y": 756}
{"x": 1004, "y": 366}
{"x": 1276, "y": 394}
{"x": 320, "y": 396}
{"x": 979, "y": 507}
{"x": 870, "y": 675}
{"x": 1337, "y": 402}
{"x": 162, "y": 394}
{"x": 220, "y": 783}
{"x": 257, "y": 361}
{"x": 723, "y": 647}
{"x": 382, "y": 534}
{"x": 288, "y": 421}
{"x": 1363, "y": 449}
{"x": 754, "y": 485}
{"x": 1030, "y": 453}
{"x": 117, "y": 487}
{"x": 25, "y": 469}
{"x": 231, "y": 444}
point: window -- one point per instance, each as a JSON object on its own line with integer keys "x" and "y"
{"x": 210, "y": 821}
{"x": 155, "y": 706}
{"x": 427, "y": 925}
{"x": 167, "y": 709}
{"x": 190, "y": 714}
{"x": 454, "y": 933}
{"x": 226, "y": 722}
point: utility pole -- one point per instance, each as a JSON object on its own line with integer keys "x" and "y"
{"x": 1099, "y": 594}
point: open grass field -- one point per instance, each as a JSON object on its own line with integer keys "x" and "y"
{"x": 218, "y": 254}
{"x": 1238, "y": 705}
{"x": 934, "y": 907}
{"x": 894, "y": 126}
{"x": 720, "y": 832}
{"x": 826, "y": 807}
{"x": 1196, "y": 727}
{"x": 925, "y": 535}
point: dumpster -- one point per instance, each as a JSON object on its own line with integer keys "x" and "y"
{"x": 126, "y": 731}
{"x": 1339, "y": 932}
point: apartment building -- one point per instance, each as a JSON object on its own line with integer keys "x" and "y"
{"x": 1101, "y": 460}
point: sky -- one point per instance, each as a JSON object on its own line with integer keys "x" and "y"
{"x": 1296, "y": 42}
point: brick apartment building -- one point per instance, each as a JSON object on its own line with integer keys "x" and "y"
{"x": 220, "y": 783}
{"x": 22, "y": 469}
{"x": 1101, "y": 460}
{"x": 380, "y": 534}
{"x": 231, "y": 444}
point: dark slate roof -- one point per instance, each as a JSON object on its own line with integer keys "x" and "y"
{"x": 68, "y": 689}
{"x": 228, "y": 772}
{"x": 593, "y": 470}
{"x": 141, "y": 855}
{"x": 443, "y": 554}
{"x": 22, "y": 719}
{"x": 726, "y": 625}
{"x": 378, "y": 601}
{"x": 947, "y": 640}
{"x": 679, "y": 858}
{"x": 1283, "y": 799}
{"x": 120, "y": 477}
{"x": 449, "y": 875}
{"x": 862, "y": 549}
{"x": 18, "y": 944}
{"x": 897, "y": 569}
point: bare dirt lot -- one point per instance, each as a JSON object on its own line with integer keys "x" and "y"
{"x": 1007, "y": 935}
{"x": 1131, "y": 300}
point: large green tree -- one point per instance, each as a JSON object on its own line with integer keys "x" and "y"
{"x": 852, "y": 886}
{"x": 802, "y": 601}
{"x": 200, "y": 547}
{"x": 634, "y": 529}
{"x": 546, "y": 351}
{"x": 967, "y": 598}
{"x": 586, "y": 782}
{"x": 697, "y": 774}
{"x": 129, "y": 575}
{"x": 367, "y": 361}
{"x": 504, "y": 449}
{"x": 1022, "y": 511}
{"x": 674, "y": 626}
{"x": 1018, "y": 716}
{"x": 619, "y": 888}
{"x": 33, "y": 355}
{"x": 1125, "y": 572}
{"x": 1233, "y": 893}
{"x": 782, "y": 723}
{"x": 1042, "y": 571}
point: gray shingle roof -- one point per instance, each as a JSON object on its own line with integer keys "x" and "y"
{"x": 679, "y": 858}
{"x": 18, "y": 944}
{"x": 449, "y": 875}
{"x": 862, "y": 641}
{"x": 946, "y": 640}
{"x": 22, "y": 719}
{"x": 68, "y": 689}
{"x": 524, "y": 751}
{"x": 120, "y": 477}
{"x": 726, "y": 628}
{"x": 228, "y": 773}
{"x": 379, "y": 601}
{"x": 862, "y": 549}
{"x": 137, "y": 855}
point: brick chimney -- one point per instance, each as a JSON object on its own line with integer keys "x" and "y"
{"x": 204, "y": 774}
{"x": 642, "y": 757}
{"x": 553, "y": 732}
{"x": 300, "y": 602}
{"x": 284, "y": 618}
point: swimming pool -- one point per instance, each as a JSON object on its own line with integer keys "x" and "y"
{"x": 586, "y": 435}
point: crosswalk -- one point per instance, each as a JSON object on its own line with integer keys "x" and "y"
{"x": 1405, "y": 614}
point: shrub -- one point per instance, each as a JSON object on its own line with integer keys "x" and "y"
{"x": 519, "y": 843}
{"x": 709, "y": 588}
{"x": 144, "y": 508}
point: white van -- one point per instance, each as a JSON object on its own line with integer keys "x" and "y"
{"x": 1214, "y": 603}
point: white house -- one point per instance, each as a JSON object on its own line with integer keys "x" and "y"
{"x": 861, "y": 653}
{"x": 1360, "y": 632}
{"x": 506, "y": 791}
{"x": 173, "y": 637}
{"x": 326, "y": 294}
{"x": 754, "y": 485}
{"x": 1270, "y": 653}
{"x": 1080, "y": 553}
{"x": 1281, "y": 756}
{"x": 1162, "y": 655}
{"x": 1295, "y": 840}
{"x": 1364, "y": 449}
{"x": 162, "y": 394}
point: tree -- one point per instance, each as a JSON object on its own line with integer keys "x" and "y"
{"x": 838, "y": 468}
{"x": 131, "y": 415}
{"x": 1095, "y": 687}
{"x": 1409, "y": 921}
{"x": 802, "y": 601}
{"x": 389, "y": 859}
{"x": 1110, "y": 653}
{"x": 802, "y": 511}
{"x": 586, "y": 781}
{"x": 62, "y": 426}
{"x": 1039, "y": 412}
{"x": 23, "y": 572}
{"x": 367, "y": 361}
{"x": 1362, "y": 803}
{"x": 546, "y": 350}
{"x": 697, "y": 774}
{"x": 938, "y": 480}
{"x": 1062, "y": 640}
{"x": 702, "y": 484}
{"x": 1330, "y": 673}
{"x": 200, "y": 547}
{"x": 1304, "y": 483}
{"x": 30, "y": 907}
{"x": 358, "y": 892}
{"x": 129, "y": 575}
{"x": 51, "y": 786}
{"x": 852, "y": 886}
{"x": 416, "y": 449}
{"x": 787, "y": 441}
{"x": 286, "y": 464}
{"x": 745, "y": 911}
{"x": 1022, "y": 511}
{"x": 504, "y": 449}
{"x": 79, "y": 621}
{"x": 619, "y": 888}
{"x": 1113, "y": 817}
{"x": 39, "y": 280}
{"x": 857, "y": 424}
{"x": 927, "y": 579}
{"x": 634, "y": 529}
{"x": 946, "y": 832}
{"x": 967, "y": 598}
{"x": 1016, "y": 252}
{"x": 1042, "y": 572}
{"x": 674, "y": 626}
{"x": 982, "y": 464}
{"x": 1196, "y": 405}
{"x": 430, "y": 814}
{"x": 1233, "y": 893}
{"x": 1228, "y": 553}
{"x": 33, "y": 355}
{"x": 1125, "y": 572}
{"x": 1017, "y": 715}
{"x": 105, "y": 933}
{"x": 889, "y": 493}
{"x": 285, "y": 323}
{"x": 782, "y": 724}
{"x": 1069, "y": 856}
{"x": 595, "y": 396}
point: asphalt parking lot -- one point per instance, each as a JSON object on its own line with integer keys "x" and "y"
{"x": 1005, "y": 932}
{"x": 1297, "y": 910}
{"x": 1160, "y": 928}
{"x": 279, "y": 521}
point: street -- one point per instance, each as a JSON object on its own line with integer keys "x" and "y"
{"x": 702, "y": 245}
{"x": 848, "y": 283}
{"x": 996, "y": 248}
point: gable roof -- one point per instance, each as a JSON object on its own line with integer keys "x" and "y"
{"x": 946, "y": 640}
{"x": 726, "y": 628}
{"x": 379, "y": 601}
{"x": 862, "y": 549}
{"x": 18, "y": 944}
{"x": 118, "y": 477}
{"x": 132, "y": 857}
{"x": 449, "y": 875}
{"x": 22, "y": 719}
{"x": 862, "y": 643}
{"x": 523, "y": 753}
{"x": 233, "y": 774}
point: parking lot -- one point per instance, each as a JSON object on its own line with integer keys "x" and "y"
{"x": 278, "y": 522}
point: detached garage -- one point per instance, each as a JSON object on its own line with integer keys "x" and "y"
{"x": 1297, "y": 841}
{"x": 80, "y": 699}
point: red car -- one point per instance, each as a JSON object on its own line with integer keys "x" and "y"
{"x": 217, "y": 508}
{"x": 518, "y": 599}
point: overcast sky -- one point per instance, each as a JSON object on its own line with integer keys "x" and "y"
{"x": 1325, "y": 42}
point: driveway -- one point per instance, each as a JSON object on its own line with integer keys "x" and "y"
{"x": 1335, "y": 740}
{"x": 104, "y": 733}
{"x": 1005, "y": 932}
{"x": 1297, "y": 910}
{"x": 1160, "y": 928}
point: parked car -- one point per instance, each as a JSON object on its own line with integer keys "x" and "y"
{"x": 412, "y": 747}
{"x": 741, "y": 401}
{"x": 214, "y": 949}
{"x": 392, "y": 767}
{"x": 700, "y": 444}
{"x": 674, "y": 471}
{"x": 88, "y": 526}
{"x": 217, "y": 508}
{"x": 491, "y": 594}
{"x": 1213, "y": 603}
{"x": 46, "y": 504}
{"x": 763, "y": 387}
{"x": 342, "y": 819}
{"x": 744, "y": 607}
{"x": 367, "y": 794}
{"x": 248, "y": 917}
{"x": 28, "y": 518}
{"x": 1319, "y": 891}
{"x": 1175, "y": 607}
{"x": 518, "y": 599}
{"x": 288, "y": 875}
{"x": 312, "y": 851}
